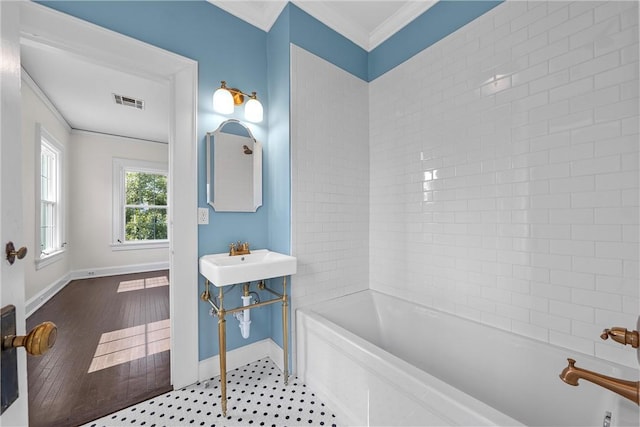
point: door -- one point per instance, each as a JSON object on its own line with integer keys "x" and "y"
{"x": 12, "y": 276}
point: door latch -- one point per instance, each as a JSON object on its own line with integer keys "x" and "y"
{"x": 37, "y": 342}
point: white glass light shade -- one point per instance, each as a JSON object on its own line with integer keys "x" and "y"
{"x": 253, "y": 110}
{"x": 223, "y": 101}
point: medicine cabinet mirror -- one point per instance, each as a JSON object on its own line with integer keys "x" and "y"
{"x": 234, "y": 168}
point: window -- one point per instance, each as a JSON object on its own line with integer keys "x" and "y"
{"x": 49, "y": 200}
{"x": 140, "y": 204}
{"x": 145, "y": 208}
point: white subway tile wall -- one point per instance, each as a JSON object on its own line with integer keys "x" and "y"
{"x": 504, "y": 173}
{"x": 330, "y": 180}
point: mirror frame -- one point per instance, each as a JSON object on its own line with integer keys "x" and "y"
{"x": 257, "y": 170}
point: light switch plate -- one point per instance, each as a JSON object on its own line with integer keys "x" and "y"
{"x": 203, "y": 215}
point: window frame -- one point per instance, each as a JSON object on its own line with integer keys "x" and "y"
{"x": 120, "y": 168}
{"x": 43, "y": 137}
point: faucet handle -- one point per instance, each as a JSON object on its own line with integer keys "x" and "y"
{"x": 622, "y": 335}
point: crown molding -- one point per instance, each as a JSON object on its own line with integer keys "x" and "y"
{"x": 28, "y": 80}
{"x": 261, "y": 14}
{"x": 397, "y": 21}
{"x": 332, "y": 19}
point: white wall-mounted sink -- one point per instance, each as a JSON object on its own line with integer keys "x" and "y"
{"x": 222, "y": 269}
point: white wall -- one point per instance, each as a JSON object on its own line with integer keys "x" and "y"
{"x": 35, "y": 110}
{"x": 330, "y": 180}
{"x": 88, "y": 198}
{"x": 504, "y": 173}
{"x": 91, "y": 160}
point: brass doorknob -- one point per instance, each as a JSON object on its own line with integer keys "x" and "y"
{"x": 11, "y": 252}
{"x": 37, "y": 342}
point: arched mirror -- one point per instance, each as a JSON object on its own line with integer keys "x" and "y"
{"x": 234, "y": 168}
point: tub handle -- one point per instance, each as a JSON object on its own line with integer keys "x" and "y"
{"x": 622, "y": 335}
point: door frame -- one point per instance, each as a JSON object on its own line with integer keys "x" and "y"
{"x": 114, "y": 50}
{"x": 11, "y": 218}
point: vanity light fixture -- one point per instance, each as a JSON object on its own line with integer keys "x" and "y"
{"x": 225, "y": 99}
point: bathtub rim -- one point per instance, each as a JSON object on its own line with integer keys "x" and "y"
{"x": 316, "y": 312}
{"x": 615, "y": 367}
{"x": 438, "y": 392}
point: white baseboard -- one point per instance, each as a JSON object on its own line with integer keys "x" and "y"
{"x": 114, "y": 271}
{"x": 47, "y": 293}
{"x": 210, "y": 367}
{"x": 38, "y": 300}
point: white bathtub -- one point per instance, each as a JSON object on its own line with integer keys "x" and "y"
{"x": 379, "y": 360}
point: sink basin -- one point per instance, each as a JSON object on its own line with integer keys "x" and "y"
{"x": 222, "y": 269}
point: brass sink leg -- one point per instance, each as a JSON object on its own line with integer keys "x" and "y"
{"x": 222, "y": 344}
{"x": 220, "y": 311}
{"x": 285, "y": 330}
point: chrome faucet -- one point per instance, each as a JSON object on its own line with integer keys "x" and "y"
{"x": 629, "y": 389}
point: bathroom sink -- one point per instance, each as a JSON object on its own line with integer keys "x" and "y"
{"x": 222, "y": 269}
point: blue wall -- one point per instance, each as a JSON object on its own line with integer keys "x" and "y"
{"x": 315, "y": 37}
{"x": 228, "y": 48}
{"x": 278, "y": 167}
{"x": 436, "y": 23}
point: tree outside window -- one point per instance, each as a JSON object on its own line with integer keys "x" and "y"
{"x": 145, "y": 208}
{"x": 140, "y": 211}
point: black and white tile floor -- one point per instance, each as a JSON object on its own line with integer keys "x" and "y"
{"x": 256, "y": 396}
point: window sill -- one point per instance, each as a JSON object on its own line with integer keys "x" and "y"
{"x": 131, "y": 246}
{"x": 49, "y": 259}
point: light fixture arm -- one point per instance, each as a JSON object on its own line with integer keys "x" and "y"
{"x": 226, "y": 98}
{"x": 238, "y": 95}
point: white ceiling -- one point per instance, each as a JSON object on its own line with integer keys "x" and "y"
{"x": 82, "y": 90}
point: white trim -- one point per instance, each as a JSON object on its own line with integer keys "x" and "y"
{"x": 400, "y": 19}
{"x": 102, "y": 46}
{"x": 65, "y": 34}
{"x": 239, "y": 357}
{"x": 12, "y": 277}
{"x": 41, "y": 133}
{"x": 264, "y": 14}
{"x": 261, "y": 14}
{"x": 26, "y": 78}
{"x": 142, "y": 165}
{"x": 49, "y": 259}
{"x": 276, "y": 355}
{"x": 120, "y": 167}
{"x": 115, "y": 271}
{"x": 183, "y": 208}
{"x": 114, "y": 136}
{"x": 38, "y": 300}
{"x": 134, "y": 246}
{"x": 335, "y": 20}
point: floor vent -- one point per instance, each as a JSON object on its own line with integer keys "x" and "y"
{"x": 128, "y": 101}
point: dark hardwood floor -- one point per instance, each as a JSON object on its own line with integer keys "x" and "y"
{"x": 129, "y": 366}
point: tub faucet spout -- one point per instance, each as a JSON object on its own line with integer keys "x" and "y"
{"x": 629, "y": 389}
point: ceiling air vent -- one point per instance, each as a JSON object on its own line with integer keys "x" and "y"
{"x": 129, "y": 102}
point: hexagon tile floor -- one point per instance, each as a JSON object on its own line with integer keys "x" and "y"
{"x": 256, "y": 396}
